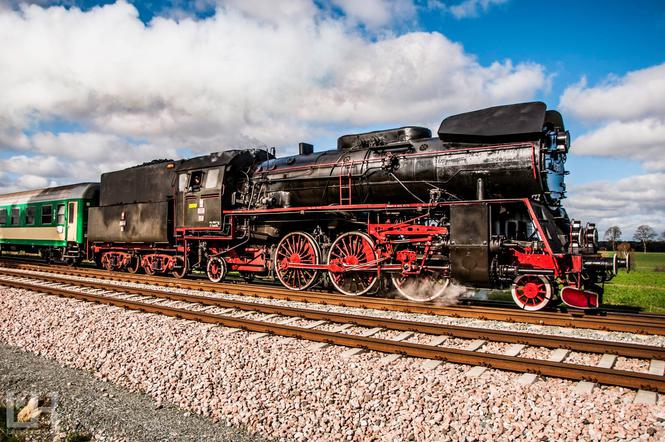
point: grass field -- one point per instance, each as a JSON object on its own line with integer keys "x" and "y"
{"x": 643, "y": 286}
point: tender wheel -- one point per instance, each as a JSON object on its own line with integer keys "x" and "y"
{"x": 107, "y": 262}
{"x": 421, "y": 288}
{"x": 297, "y": 248}
{"x": 147, "y": 267}
{"x": 134, "y": 265}
{"x": 353, "y": 251}
{"x": 532, "y": 292}
{"x": 216, "y": 269}
{"x": 182, "y": 267}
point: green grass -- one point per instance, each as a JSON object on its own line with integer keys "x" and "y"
{"x": 642, "y": 287}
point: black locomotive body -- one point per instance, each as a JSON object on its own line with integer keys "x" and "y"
{"x": 480, "y": 203}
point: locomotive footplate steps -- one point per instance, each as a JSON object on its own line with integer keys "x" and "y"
{"x": 510, "y": 363}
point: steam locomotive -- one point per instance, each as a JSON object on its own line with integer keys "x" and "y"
{"x": 479, "y": 204}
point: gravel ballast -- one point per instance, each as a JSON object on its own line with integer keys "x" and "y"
{"x": 278, "y": 387}
{"x": 90, "y": 407}
{"x": 437, "y": 319}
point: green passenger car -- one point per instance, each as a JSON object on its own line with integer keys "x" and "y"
{"x": 52, "y": 221}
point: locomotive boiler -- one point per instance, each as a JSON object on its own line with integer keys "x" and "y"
{"x": 516, "y": 151}
{"x": 394, "y": 210}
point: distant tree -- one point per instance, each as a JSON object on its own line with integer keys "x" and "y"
{"x": 643, "y": 234}
{"x": 662, "y": 236}
{"x": 613, "y": 234}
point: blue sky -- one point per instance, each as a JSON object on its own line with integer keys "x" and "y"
{"x": 103, "y": 85}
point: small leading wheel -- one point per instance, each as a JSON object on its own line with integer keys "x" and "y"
{"x": 297, "y": 248}
{"x": 426, "y": 286}
{"x": 532, "y": 292}
{"x": 181, "y": 268}
{"x": 216, "y": 269}
{"x": 354, "y": 253}
{"x": 134, "y": 265}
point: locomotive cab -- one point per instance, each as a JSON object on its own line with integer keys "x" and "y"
{"x": 206, "y": 186}
{"x": 198, "y": 197}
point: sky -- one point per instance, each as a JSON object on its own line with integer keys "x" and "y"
{"x": 93, "y": 86}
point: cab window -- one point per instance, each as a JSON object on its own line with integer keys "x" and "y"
{"x": 61, "y": 213}
{"x": 47, "y": 214}
{"x": 3, "y": 216}
{"x": 182, "y": 182}
{"x": 30, "y": 215}
{"x": 15, "y": 216}
{"x": 211, "y": 178}
{"x": 195, "y": 180}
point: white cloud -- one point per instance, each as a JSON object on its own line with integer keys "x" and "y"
{"x": 286, "y": 11}
{"x": 472, "y": 8}
{"x": 639, "y": 94}
{"x": 630, "y": 113}
{"x": 642, "y": 140}
{"x": 30, "y": 181}
{"x": 97, "y": 148}
{"x": 241, "y": 77}
{"x": 77, "y": 157}
{"x": 375, "y": 14}
{"x": 627, "y": 203}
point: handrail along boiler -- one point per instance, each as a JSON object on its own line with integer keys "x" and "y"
{"x": 480, "y": 204}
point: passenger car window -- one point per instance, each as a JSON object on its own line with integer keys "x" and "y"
{"x": 61, "y": 213}
{"x": 30, "y": 215}
{"x": 3, "y": 216}
{"x": 47, "y": 214}
{"x": 211, "y": 178}
{"x": 15, "y": 216}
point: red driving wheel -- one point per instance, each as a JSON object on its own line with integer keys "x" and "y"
{"x": 294, "y": 249}
{"x": 353, "y": 255}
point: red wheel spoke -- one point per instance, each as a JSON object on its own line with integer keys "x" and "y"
{"x": 294, "y": 249}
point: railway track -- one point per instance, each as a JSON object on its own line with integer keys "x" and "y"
{"x": 234, "y": 314}
{"x": 620, "y": 322}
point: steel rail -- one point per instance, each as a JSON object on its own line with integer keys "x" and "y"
{"x": 620, "y": 378}
{"x": 622, "y": 323}
{"x": 512, "y": 337}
